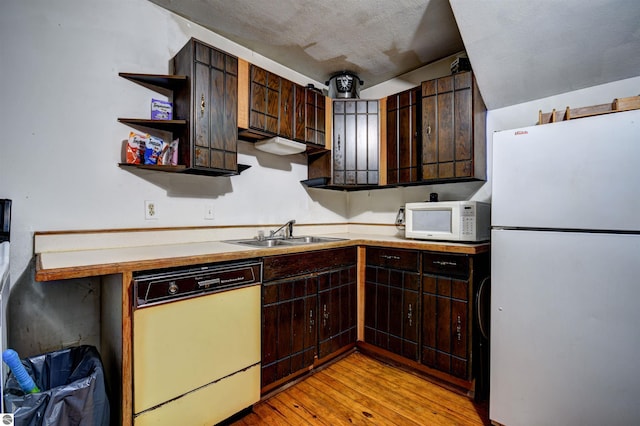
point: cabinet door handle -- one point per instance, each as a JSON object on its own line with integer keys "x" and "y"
{"x": 389, "y": 257}
{"x": 311, "y": 322}
{"x": 338, "y": 145}
{"x": 325, "y": 316}
{"x": 429, "y": 129}
{"x": 286, "y": 109}
{"x": 410, "y": 315}
{"x": 202, "y": 104}
{"x": 444, "y": 263}
{"x": 459, "y": 329}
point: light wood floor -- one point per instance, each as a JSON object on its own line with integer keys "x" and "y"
{"x": 359, "y": 390}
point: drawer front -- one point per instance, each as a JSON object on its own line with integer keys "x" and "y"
{"x": 277, "y": 267}
{"x": 406, "y": 260}
{"x": 450, "y": 265}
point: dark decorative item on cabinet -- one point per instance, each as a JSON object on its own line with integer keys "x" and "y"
{"x": 453, "y": 130}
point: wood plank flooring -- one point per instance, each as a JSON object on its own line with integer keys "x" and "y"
{"x": 359, "y": 390}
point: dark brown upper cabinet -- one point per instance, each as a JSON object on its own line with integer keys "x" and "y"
{"x": 314, "y": 117}
{"x": 267, "y": 105}
{"x": 209, "y": 102}
{"x": 286, "y": 110}
{"x": 264, "y": 101}
{"x": 403, "y": 136}
{"x": 203, "y": 85}
{"x": 453, "y": 129}
{"x": 309, "y": 311}
{"x": 299, "y": 113}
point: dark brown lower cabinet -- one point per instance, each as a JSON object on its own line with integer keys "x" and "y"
{"x": 289, "y": 333}
{"x": 392, "y": 293}
{"x": 450, "y": 335}
{"x": 308, "y": 310}
{"x": 337, "y": 309}
{"x": 445, "y": 324}
{"x": 421, "y": 306}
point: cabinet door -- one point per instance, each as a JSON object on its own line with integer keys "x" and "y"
{"x": 337, "y": 310}
{"x": 300, "y": 108}
{"x": 338, "y": 147}
{"x": 285, "y": 125}
{"x": 289, "y": 327}
{"x": 446, "y": 319}
{"x": 429, "y": 129}
{"x": 272, "y": 124}
{"x": 258, "y": 98}
{"x": 223, "y": 111}
{"x": 264, "y": 100}
{"x": 202, "y": 85}
{"x": 392, "y": 285}
{"x": 402, "y": 136}
{"x": 355, "y": 143}
{"x": 320, "y": 109}
{"x": 210, "y": 104}
{"x": 449, "y": 128}
{"x": 315, "y": 110}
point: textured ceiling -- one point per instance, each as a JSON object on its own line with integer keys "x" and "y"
{"x": 376, "y": 39}
{"x": 519, "y": 50}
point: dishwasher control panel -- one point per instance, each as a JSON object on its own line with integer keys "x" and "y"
{"x": 155, "y": 287}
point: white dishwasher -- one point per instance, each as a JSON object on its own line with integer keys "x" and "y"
{"x": 196, "y": 343}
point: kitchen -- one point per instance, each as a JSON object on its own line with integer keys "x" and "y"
{"x": 62, "y": 94}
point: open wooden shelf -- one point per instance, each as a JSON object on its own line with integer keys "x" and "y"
{"x": 161, "y": 83}
{"x": 166, "y": 125}
{"x": 618, "y": 105}
{"x": 183, "y": 169}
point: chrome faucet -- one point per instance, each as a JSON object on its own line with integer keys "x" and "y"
{"x": 288, "y": 232}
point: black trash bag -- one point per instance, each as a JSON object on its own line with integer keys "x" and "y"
{"x": 72, "y": 390}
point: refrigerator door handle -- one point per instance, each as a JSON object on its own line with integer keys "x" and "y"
{"x": 481, "y": 320}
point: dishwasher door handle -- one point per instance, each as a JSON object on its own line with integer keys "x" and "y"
{"x": 207, "y": 283}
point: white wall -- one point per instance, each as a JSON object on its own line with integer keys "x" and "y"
{"x": 61, "y": 141}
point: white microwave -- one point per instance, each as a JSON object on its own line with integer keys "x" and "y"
{"x": 465, "y": 221}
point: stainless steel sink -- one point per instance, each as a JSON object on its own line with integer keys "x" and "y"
{"x": 310, "y": 240}
{"x": 279, "y": 242}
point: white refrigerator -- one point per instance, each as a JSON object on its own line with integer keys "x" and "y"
{"x": 565, "y": 277}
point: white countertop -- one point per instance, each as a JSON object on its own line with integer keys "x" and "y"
{"x": 63, "y": 259}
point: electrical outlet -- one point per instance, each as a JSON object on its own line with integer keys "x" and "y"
{"x": 150, "y": 210}
{"x": 208, "y": 211}
{"x": 400, "y": 217}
